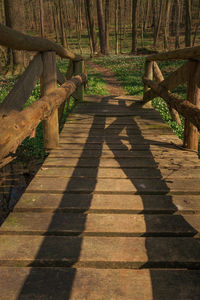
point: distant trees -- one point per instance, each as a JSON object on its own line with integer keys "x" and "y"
{"x": 107, "y": 25}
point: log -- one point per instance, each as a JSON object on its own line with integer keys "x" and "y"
{"x": 78, "y": 69}
{"x": 48, "y": 83}
{"x": 16, "y": 126}
{"x": 191, "y": 135}
{"x": 185, "y": 53}
{"x": 179, "y": 76}
{"x": 184, "y": 107}
{"x": 148, "y": 73}
{"x": 61, "y": 80}
{"x": 20, "y": 93}
{"x": 160, "y": 78}
{"x": 16, "y": 40}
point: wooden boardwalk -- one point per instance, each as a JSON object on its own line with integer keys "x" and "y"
{"x": 112, "y": 214}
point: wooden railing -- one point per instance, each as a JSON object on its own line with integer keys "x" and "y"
{"x": 17, "y": 123}
{"x": 188, "y": 73}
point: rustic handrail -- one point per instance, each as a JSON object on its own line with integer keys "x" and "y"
{"x": 189, "y": 73}
{"x": 16, "y": 126}
{"x": 184, "y": 53}
{"x": 17, "y": 40}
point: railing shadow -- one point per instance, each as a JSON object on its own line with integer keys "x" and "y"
{"x": 64, "y": 281}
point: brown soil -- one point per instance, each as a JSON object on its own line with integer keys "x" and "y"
{"x": 113, "y": 85}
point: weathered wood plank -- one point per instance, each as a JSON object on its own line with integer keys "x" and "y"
{"x": 101, "y": 224}
{"x": 99, "y": 252}
{"x": 22, "y": 90}
{"x": 98, "y": 284}
{"x": 135, "y": 204}
{"x": 122, "y": 186}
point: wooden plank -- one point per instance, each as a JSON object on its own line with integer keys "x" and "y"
{"x": 101, "y": 224}
{"x": 121, "y": 186}
{"x": 98, "y": 284}
{"x": 135, "y": 204}
{"x": 22, "y": 90}
{"x": 99, "y": 252}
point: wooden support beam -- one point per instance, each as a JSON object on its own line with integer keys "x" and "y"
{"x": 185, "y": 53}
{"x": 184, "y": 107}
{"x": 79, "y": 68}
{"x": 48, "y": 84}
{"x": 61, "y": 80}
{"x": 178, "y": 77}
{"x": 22, "y": 90}
{"x": 16, "y": 40}
{"x": 160, "y": 78}
{"x": 191, "y": 135}
{"x": 16, "y": 126}
{"x": 148, "y": 73}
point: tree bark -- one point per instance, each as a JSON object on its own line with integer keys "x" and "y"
{"x": 14, "y": 14}
{"x": 188, "y": 23}
{"x": 134, "y": 26}
{"x": 90, "y": 13}
{"x": 107, "y": 23}
{"x": 103, "y": 45}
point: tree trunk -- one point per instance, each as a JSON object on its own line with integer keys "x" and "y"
{"x": 134, "y": 26}
{"x": 116, "y": 28}
{"x": 166, "y": 24}
{"x": 103, "y": 45}
{"x": 14, "y": 14}
{"x": 42, "y": 18}
{"x": 187, "y": 23}
{"x": 178, "y": 15}
{"x": 107, "y": 22}
{"x": 89, "y": 5}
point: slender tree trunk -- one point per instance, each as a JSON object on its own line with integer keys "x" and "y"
{"x": 42, "y": 18}
{"x": 166, "y": 24}
{"x": 178, "y": 11}
{"x": 14, "y": 14}
{"x": 63, "y": 34}
{"x": 159, "y": 23}
{"x": 103, "y": 45}
{"x": 107, "y": 22}
{"x": 187, "y": 23}
{"x": 116, "y": 27}
{"x": 134, "y": 26}
{"x": 89, "y": 5}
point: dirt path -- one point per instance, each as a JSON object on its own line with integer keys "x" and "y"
{"x": 113, "y": 85}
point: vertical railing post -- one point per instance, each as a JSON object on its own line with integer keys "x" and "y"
{"x": 79, "y": 68}
{"x": 48, "y": 82}
{"x": 191, "y": 135}
{"x": 148, "y": 73}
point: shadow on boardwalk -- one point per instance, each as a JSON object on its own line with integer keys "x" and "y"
{"x": 64, "y": 281}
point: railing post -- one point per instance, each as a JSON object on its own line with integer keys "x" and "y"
{"x": 191, "y": 135}
{"x": 79, "y": 68}
{"x": 148, "y": 73}
{"x": 48, "y": 82}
